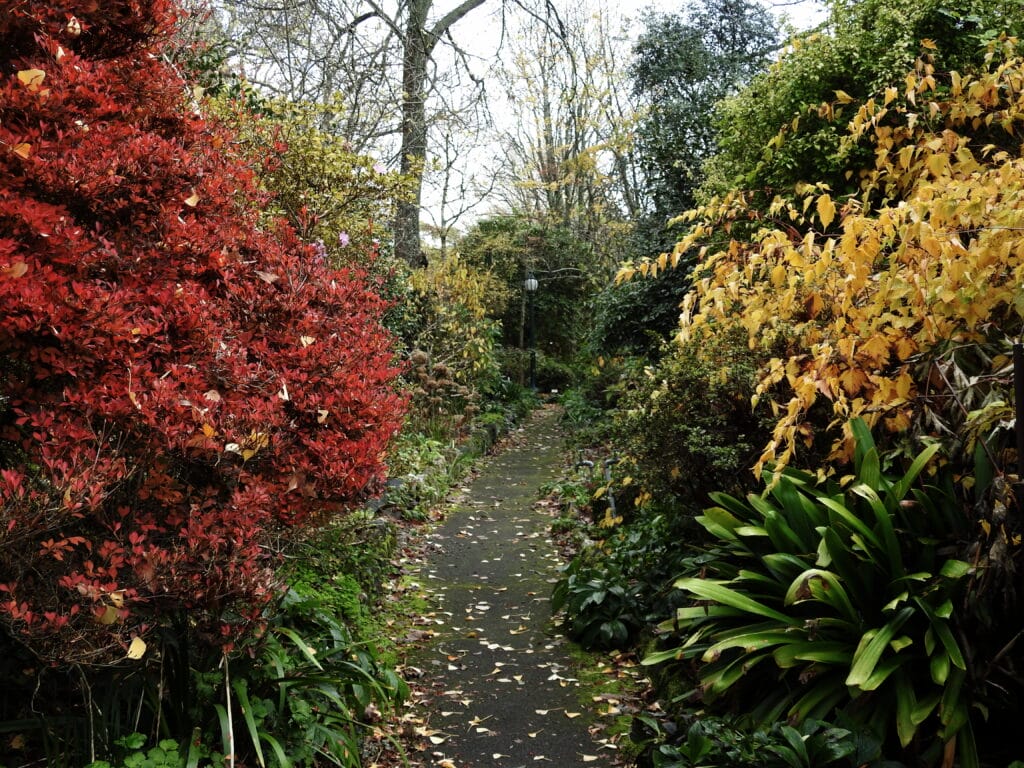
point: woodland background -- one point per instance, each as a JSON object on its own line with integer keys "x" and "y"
{"x": 779, "y": 289}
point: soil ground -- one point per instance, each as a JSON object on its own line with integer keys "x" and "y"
{"x": 496, "y": 684}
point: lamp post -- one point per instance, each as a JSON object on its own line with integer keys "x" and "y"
{"x": 530, "y": 285}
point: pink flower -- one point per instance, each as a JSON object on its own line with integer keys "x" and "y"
{"x": 343, "y": 238}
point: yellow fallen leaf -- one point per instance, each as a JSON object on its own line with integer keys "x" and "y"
{"x": 17, "y": 269}
{"x": 589, "y": 758}
{"x": 137, "y": 649}
{"x": 192, "y": 200}
{"x": 571, "y": 715}
{"x": 22, "y": 150}
{"x": 32, "y": 78}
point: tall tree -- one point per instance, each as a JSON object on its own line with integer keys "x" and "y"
{"x": 420, "y": 38}
{"x": 377, "y": 56}
{"x": 567, "y": 156}
{"x": 684, "y": 64}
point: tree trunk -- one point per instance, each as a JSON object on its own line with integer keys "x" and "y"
{"x": 419, "y": 45}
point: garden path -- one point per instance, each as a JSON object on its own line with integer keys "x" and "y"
{"x": 498, "y": 685}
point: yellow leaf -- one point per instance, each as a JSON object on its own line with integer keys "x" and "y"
{"x": 192, "y": 200}
{"x": 826, "y": 210}
{"x": 32, "y": 78}
{"x": 22, "y": 150}
{"x": 208, "y": 430}
{"x": 109, "y": 616}
{"x": 17, "y": 269}
{"x": 843, "y": 97}
{"x": 137, "y": 649}
{"x": 779, "y": 275}
{"x": 267, "y": 277}
{"x": 307, "y": 340}
{"x": 938, "y": 164}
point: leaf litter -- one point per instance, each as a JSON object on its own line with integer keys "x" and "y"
{"x": 496, "y": 701}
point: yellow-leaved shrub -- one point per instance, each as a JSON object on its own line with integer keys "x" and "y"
{"x": 864, "y": 293}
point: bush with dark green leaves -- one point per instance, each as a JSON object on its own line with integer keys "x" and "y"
{"x": 685, "y": 425}
{"x": 716, "y": 742}
{"x": 851, "y": 598}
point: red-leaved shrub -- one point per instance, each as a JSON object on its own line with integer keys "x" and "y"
{"x": 177, "y": 385}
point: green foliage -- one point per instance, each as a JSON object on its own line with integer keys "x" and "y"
{"x": 306, "y": 694}
{"x": 838, "y": 600}
{"x": 511, "y": 246}
{"x": 453, "y": 340}
{"x": 164, "y": 755}
{"x": 685, "y": 424}
{"x": 552, "y": 374}
{"x": 683, "y": 66}
{"x": 602, "y": 604}
{"x": 332, "y": 195}
{"x": 863, "y": 47}
{"x": 424, "y": 469}
{"x": 621, "y": 582}
{"x": 636, "y": 317}
{"x": 715, "y": 742}
{"x": 577, "y": 411}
